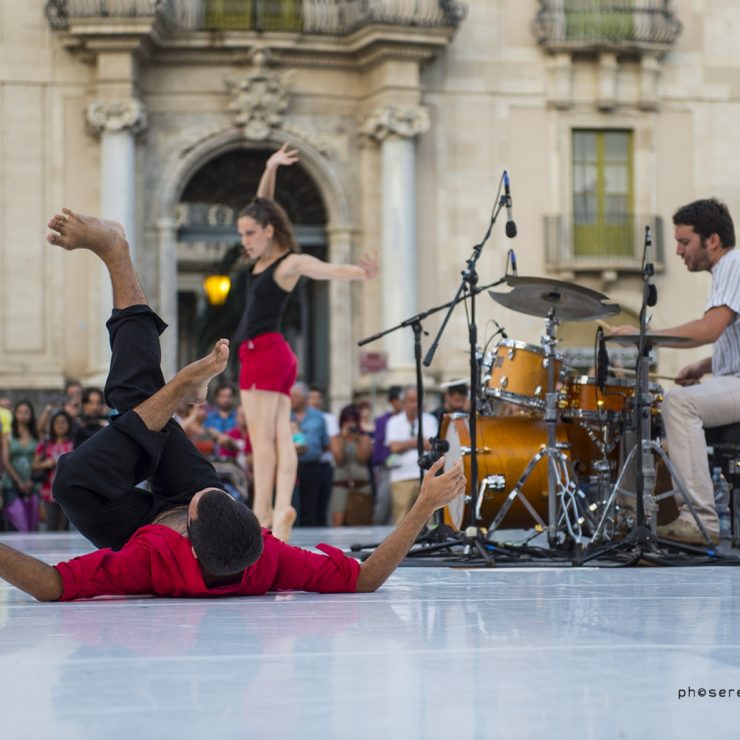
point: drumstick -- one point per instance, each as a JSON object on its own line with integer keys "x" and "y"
{"x": 629, "y": 371}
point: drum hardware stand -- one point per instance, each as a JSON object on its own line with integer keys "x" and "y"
{"x": 642, "y": 536}
{"x": 561, "y": 486}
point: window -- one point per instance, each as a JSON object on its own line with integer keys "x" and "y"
{"x": 598, "y": 20}
{"x": 250, "y": 15}
{"x": 602, "y": 193}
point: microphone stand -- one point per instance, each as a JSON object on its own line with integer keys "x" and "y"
{"x": 472, "y": 536}
{"x": 441, "y": 531}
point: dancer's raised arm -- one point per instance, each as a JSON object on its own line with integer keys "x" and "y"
{"x": 282, "y": 157}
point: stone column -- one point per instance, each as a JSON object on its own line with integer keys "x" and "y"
{"x": 395, "y": 129}
{"x": 116, "y": 122}
{"x": 342, "y": 348}
{"x": 167, "y": 309}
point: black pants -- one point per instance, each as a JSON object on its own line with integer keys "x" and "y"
{"x": 314, "y": 491}
{"x": 95, "y": 484}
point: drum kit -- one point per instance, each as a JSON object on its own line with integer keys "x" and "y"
{"x": 552, "y": 444}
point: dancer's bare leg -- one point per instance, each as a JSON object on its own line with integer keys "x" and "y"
{"x": 287, "y": 467}
{"x": 260, "y": 408}
{"x": 106, "y": 239}
{"x": 189, "y": 385}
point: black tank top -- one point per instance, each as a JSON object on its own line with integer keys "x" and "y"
{"x": 266, "y": 302}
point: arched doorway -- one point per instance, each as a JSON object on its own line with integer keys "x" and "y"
{"x": 206, "y": 238}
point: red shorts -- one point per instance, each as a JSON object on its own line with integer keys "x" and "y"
{"x": 267, "y": 364}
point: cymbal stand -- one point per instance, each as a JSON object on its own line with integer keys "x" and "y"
{"x": 564, "y": 496}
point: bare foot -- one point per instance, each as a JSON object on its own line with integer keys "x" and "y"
{"x": 282, "y": 524}
{"x": 265, "y": 517}
{"x": 74, "y": 231}
{"x": 198, "y": 374}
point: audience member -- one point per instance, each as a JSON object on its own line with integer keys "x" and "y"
{"x": 351, "y": 495}
{"x": 21, "y": 501}
{"x": 401, "y": 438}
{"x": 93, "y": 416}
{"x": 313, "y": 491}
{"x": 55, "y": 444}
{"x": 381, "y": 453}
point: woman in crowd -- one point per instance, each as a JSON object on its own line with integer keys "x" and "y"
{"x": 21, "y": 500}
{"x": 57, "y": 443}
{"x": 268, "y": 365}
{"x": 352, "y": 494}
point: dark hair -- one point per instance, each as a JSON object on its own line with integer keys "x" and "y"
{"x": 349, "y": 413}
{"x": 461, "y": 389}
{"x": 226, "y": 535}
{"x": 267, "y": 212}
{"x": 31, "y": 424}
{"x": 55, "y": 415}
{"x": 87, "y": 392}
{"x": 395, "y": 393}
{"x": 708, "y": 217}
{"x": 223, "y": 385}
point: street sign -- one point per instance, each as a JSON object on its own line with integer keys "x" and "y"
{"x": 373, "y": 362}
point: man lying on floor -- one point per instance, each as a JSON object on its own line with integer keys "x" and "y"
{"x": 186, "y": 536}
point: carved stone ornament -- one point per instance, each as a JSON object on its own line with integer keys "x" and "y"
{"x": 116, "y": 115}
{"x": 258, "y": 101}
{"x": 394, "y": 120}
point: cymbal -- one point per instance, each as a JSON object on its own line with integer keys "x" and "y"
{"x": 538, "y": 296}
{"x": 651, "y": 340}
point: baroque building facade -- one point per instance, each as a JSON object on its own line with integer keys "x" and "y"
{"x": 161, "y": 113}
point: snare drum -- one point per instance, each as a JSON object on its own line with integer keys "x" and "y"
{"x": 585, "y": 400}
{"x": 505, "y": 447}
{"x": 518, "y": 373}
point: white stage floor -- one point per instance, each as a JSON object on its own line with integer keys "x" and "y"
{"x": 436, "y": 653}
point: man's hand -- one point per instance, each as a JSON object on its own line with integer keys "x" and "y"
{"x": 438, "y": 491}
{"x": 691, "y": 374}
{"x": 435, "y": 493}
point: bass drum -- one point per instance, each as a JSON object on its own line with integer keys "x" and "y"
{"x": 505, "y": 447}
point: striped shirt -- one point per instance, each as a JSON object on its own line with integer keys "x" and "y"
{"x": 726, "y": 292}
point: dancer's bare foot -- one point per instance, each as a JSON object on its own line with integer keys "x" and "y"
{"x": 72, "y": 230}
{"x": 282, "y": 523}
{"x": 198, "y": 374}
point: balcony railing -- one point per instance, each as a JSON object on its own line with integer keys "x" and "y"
{"x": 336, "y": 17}
{"x": 606, "y": 24}
{"x": 613, "y": 243}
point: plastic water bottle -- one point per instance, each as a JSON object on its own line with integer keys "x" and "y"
{"x": 722, "y": 502}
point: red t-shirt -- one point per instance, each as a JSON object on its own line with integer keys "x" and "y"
{"x": 159, "y": 561}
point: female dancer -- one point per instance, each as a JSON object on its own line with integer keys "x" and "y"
{"x": 268, "y": 365}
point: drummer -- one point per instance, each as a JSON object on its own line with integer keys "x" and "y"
{"x": 705, "y": 240}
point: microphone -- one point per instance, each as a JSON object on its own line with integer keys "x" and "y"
{"x": 510, "y": 225}
{"x": 602, "y": 361}
{"x": 652, "y": 295}
{"x": 511, "y": 258}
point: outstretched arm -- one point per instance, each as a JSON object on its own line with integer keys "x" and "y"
{"x": 282, "y": 157}
{"x": 435, "y": 493}
{"x": 305, "y": 265}
{"x": 28, "y": 574}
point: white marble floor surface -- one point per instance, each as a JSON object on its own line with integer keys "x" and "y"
{"x": 436, "y": 653}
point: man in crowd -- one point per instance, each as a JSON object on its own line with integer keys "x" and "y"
{"x": 222, "y": 419}
{"x": 705, "y": 241}
{"x": 314, "y": 490}
{"x": 401, "y": 438}
{"x": 380, "y": 456}
{"x": 187, "y": 536}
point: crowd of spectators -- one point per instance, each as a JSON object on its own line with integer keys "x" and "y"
{"x": 351, "y": 469}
